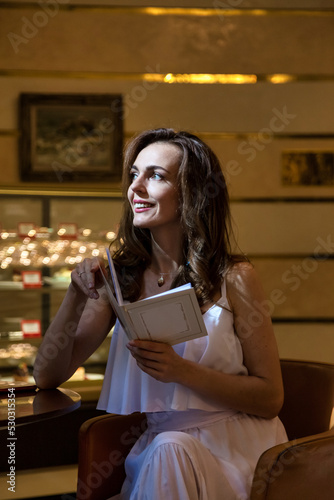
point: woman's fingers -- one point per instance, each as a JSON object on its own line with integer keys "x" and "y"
{"x": 149, "y": 345}
{"x": 87, "y": 276}
{"x": 79, "y": 280}
{"x": 148, "y": 350}
{"x": 156, "y": 359}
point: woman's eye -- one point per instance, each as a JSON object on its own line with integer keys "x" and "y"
{"x": 156, "y": 176}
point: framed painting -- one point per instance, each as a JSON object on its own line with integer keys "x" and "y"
{"x": 71, "y": 137}
{"x": 308, "y": 168}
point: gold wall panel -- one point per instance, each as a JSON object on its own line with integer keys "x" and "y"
{"x": 308, "y": 107}
{"x": 292, "y": 287}
{"x": 305, "y": 341}
{"x": 121, "y": 40}
{"x": 278, "y": 228}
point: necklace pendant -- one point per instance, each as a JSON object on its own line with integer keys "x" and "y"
{"x": 161, "y": 281}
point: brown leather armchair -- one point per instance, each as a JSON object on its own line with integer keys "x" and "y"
{"x": 301, "y": 468}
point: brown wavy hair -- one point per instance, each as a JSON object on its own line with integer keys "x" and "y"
{"x": 204, "y": 217}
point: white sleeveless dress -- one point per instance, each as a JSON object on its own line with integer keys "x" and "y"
{"x": 192, "y": 449}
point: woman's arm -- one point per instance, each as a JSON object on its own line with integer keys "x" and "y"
{"x": 79, "y": 327}
{"x": 261, "y": 392}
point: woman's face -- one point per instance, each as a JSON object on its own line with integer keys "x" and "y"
{"x": 153, "y": 193}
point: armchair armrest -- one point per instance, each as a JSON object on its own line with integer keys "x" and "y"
{"x": 104, "y": 443}
{"x": 302, "y": 468}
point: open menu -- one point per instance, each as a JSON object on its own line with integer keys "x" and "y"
{"x": 171, "y": 317}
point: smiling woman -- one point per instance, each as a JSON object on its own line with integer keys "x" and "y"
{"x": 211, "y": 402}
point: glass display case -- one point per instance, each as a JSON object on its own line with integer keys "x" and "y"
{"x": 43, "y": 236}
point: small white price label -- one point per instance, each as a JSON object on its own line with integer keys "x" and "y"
{"x": 31, "y": 328}
{"x": 31, "y": 279}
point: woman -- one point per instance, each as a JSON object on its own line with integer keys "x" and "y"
{"x": 211, "y": 403}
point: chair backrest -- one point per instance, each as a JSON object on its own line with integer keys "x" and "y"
{"x": 104, "y": 443}
{"x": 308, "y": 397}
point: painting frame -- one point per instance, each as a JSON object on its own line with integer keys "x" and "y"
{"x": 307, "y": 167}
{"x": 71, "y": 137}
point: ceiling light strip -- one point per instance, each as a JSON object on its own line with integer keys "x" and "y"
{"x": 171, "y": 78}
{"x": 215, "y": 11}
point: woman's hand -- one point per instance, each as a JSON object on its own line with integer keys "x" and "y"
{"x": 157, "y": 359}
{"x": 78, "y": 328}
{"x": 87, "y": 276}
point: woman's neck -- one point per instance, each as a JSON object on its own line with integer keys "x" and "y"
{"x": 166, "y": 254}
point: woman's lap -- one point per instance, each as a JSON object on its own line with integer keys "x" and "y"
{"x": 175, "y": 465}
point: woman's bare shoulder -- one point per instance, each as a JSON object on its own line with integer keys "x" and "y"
{"x": 242, "y": 283}
{"x": 240, "y": 272}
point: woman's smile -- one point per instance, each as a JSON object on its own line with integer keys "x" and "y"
{"x": 141, "y": 206}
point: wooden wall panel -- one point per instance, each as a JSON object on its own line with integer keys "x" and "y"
{"x": 232, "y": 4}
{"x": 284, "y": 228}
{"x": 201, "y": 108}
{"x": 253, "y": 164}
{"x": 9, "y": 167}
{"x": 298, "y": 288}
{"x": 113, "y": 40}
{"x": 305, "y": 341}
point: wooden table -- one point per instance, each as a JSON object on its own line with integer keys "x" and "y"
{"x": 18, "y": 407}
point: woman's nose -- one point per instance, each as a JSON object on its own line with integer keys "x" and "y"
{"x": 138, "y": 185}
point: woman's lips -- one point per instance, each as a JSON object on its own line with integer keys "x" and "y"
{"x": 141, "y": 206}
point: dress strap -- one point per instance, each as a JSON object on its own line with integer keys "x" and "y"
{"x": 223, "y": 302}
